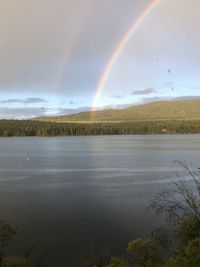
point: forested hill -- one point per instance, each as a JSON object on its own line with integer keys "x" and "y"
{"x": 162, "y": 110}
{"x": 167, "y": 117}
{"x": 10, "y": 128}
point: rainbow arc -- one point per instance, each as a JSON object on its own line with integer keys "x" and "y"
{"x": 119, "y": 48}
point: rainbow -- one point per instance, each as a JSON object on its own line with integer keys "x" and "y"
{"x": 108, "y": 68}
{"x": 88, "y": 7}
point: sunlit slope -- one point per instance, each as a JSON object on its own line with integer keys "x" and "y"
{"x": 162, "y": 110}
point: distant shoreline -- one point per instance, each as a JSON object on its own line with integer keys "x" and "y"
{"x": 31, "y": 128}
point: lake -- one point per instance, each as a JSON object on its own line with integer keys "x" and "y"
{"x": 83, "y": 197}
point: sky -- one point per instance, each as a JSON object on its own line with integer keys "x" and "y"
{"x": 53, "y": 54}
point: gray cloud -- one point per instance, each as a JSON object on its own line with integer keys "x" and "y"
{"x": 118, "y": 96}
{"x": 10, "y": 101}
{"x": 146, "y": 91}
{"x": 191, "y": 87}
{"x": 34, "y": 100}
{"x": 152, "y": 99}
{"x": 66, "y": 111}
{"x": 44, "y": 47}
{"x": 33, "y": 112}
{"x": 72, "y": 102}
{"x": 187, "y": 98}
{"x": 61, "y": 52}
{"x": 166, "y": 98}
{"x": 21, "y": 113}
{"x": 30, "y": 100}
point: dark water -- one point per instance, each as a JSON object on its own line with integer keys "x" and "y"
{"x": 80, "y": 196}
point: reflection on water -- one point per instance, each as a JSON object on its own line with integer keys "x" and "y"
{"x": 82, "y": 195}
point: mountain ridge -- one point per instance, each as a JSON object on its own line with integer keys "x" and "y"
{"x": 160, "y": 110}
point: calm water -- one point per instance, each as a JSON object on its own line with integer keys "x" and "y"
{"x": 80, "y": 196}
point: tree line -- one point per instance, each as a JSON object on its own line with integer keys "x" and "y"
{"x": 10, "y": 128}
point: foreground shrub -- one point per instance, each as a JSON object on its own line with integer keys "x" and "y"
{"x": 190, "y": 257}
{"x": 117, "y": 262}
{"x": 145, "y": 252}
{"x": 6, "y": 234}
{"x": 15, "y": 262}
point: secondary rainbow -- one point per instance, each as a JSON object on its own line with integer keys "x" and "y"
{"x": 70, "y": 42}
{"x": 137, "y": 22}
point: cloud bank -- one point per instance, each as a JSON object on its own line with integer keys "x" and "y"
{"x": 146, "y": 91}
{"x": 29, "y": 100}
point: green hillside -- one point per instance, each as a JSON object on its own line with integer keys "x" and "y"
{"x": 162, "y": 110}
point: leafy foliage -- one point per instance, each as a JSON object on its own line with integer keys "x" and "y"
{"x": 189, "y": 257}
{"x": 181, "y": 204}
{"x": 6, "y": 234}
{"x": 117, "y": 262}
{"x": 145, "y": 252}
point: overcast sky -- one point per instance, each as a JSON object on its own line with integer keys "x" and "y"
{"x": 53, "y": 53}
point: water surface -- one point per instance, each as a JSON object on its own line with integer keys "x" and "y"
{"x": 81, "y": 196}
